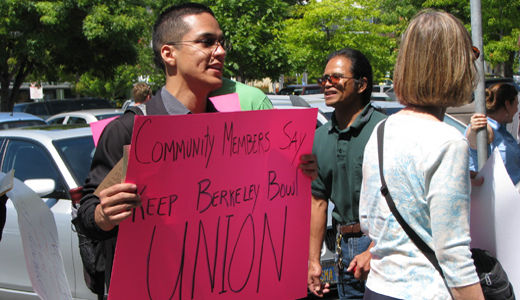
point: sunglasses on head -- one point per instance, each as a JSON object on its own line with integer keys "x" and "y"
{"x": 332, "y": 78}
{"x": 476, "y": 52}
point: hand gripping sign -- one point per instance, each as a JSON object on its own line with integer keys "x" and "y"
{"x": 225, "y": 208}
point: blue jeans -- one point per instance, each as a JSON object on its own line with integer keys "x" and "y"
{"x": 348, "y": 286}
{"x": 370, "y": 295}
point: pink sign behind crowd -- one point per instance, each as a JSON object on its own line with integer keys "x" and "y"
{"x": 97, "y": 128}
{"x": 225, "y": 209}
{"x": 227, "y": 102}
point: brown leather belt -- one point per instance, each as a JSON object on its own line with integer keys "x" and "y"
{"x": 349, "y": 229}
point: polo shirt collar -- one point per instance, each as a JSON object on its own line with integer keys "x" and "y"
{"x": 358, "y": 123}
{"x": 175, "y": 107}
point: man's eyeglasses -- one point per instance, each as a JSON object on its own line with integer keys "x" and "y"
{"x": 476, "y": 52}
{"x": 209, "y": 43}
{"x": 332, "y": 78}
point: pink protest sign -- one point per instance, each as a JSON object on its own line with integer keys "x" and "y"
{"x": 225, "y": 208}
{"x": 228, "y": 102}
{"x": 97, "y": 128}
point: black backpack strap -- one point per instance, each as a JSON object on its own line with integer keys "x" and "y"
{"x": 416, "y": 239}
{"x": 135, "y": 110}
{"x": 139, "y": 110}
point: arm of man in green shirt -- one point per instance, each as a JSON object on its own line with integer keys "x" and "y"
{"x": 318, "y": 223}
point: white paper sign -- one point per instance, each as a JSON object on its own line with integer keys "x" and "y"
{"x": 495, "y": 217}
{"x": 35, "y": 92}
{"x": 40, "y": 244}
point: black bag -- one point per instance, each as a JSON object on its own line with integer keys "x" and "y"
{"x": 493, "y": 278}
{"x": 92, "y": 257}
{"x": 3, "y": 213}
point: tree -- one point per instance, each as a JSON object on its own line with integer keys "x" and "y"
{"x": 501, "y": 32}
{"x": 56, "y": 39}
{"x": 500, "y": 25}
{"x": 253, "y": 29}
{"x": 319, "y": 28}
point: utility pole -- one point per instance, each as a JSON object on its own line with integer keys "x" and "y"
{"x": 480, "y": 97}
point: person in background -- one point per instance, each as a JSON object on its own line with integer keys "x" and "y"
{"x": 501, "y": 106}
{"x": 141, "y": 93}
{"x": 251, "y": 98}
{"x": 338, "y": 146}
{"x": 425, "y": 168}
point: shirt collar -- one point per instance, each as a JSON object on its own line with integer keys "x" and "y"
{"x": 358, "y": 123}
{"x": 175, "y": 107}
{"x": 494, "y": 124}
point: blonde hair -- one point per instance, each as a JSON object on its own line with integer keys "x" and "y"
{"x": 435, "y": 65}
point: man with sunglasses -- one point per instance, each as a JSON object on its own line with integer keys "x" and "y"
{"x": 339, "y": 147}
{"x": 189, "y": 46}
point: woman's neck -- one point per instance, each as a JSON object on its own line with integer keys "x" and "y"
{"x": 427, "y": 112}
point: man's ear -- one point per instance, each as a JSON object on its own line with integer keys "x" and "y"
{"x": 361, "y": 85}
{"x": 168, "y": 55}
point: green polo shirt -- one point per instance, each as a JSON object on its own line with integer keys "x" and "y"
{"x": 340, "y": 160}
{"x": 251, "y": 98}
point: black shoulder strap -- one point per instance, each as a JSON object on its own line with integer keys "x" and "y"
{"x": 416, "y": 239}
{"x": 135, "y": 110}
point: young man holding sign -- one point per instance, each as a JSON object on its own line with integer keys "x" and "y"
{"x": 190, "y": 47}
{"x": 339, "y": 147}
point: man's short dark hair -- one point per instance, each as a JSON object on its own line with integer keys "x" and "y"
{"x": 170, "y": 26}
{"x": 360, "y": 67}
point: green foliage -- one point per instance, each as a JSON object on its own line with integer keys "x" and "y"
{"x": 319, "y": 28}
{"x": 253, "y": 29}
{"x": 56, "y": 39}
{"x": 500, "y": 24}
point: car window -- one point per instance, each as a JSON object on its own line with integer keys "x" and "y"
{"x": 107, "y": 116}
{"x": 76, "y": 120}
{"x": 20, "y": 107}
{"x": 32, "y": 161}
{"x": 312, "y": 91}
{"x": 37, "y": 109}
{"x": 21, "y": 123}
{"x": 77, "y": 153}
{"x": 56, "y": 121}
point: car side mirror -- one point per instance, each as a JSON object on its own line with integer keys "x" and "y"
{"x": 41, "y": 187}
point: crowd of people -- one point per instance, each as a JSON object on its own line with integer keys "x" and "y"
{"x": 426, "y": 161}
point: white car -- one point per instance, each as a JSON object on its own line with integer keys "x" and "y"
{"x": 64, "y": 156}
{"x": 84, "y": 116}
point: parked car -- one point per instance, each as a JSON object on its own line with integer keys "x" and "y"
{"x": 379, "y": 88}
{"x": 44, "y": 109}
{"x": 18, "y": 119}
{"x": 84, "y": 116}
{"x": 64, "y": 157}
{"x": 299, "y": 89}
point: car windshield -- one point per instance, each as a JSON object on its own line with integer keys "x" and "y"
{"x": 107, "y": 116}
{"x": 77, "y": 152}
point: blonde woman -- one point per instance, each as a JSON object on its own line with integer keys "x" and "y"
{"x": 425, "y": 168}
